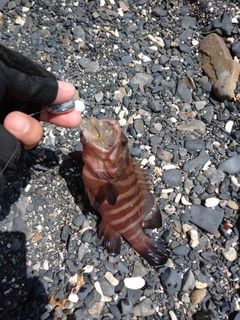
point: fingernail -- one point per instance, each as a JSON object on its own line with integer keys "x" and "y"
{"x": 20, "y": 123}
{"x": 65, "y": 86}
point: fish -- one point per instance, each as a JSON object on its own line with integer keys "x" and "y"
{"x": 117, "y": 187}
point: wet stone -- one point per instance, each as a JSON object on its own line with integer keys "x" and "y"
{"x": 205, "y": 218}
{"x": 194, "y": 145}
{"x": 196, "y": 163}
{"x": 125, "y": 306}
{"x": 171, "y": 281}
{"x": 198, "y": 295}
{"x": 144, "y": 309}
{"x": 206, "y": 314}
{"x": 188, "y": 282}
{"x": 232, "y": 165}
{"x": 180, "y": 250}
{"x": 65, "y": 233}
{"x": 172, "y": 177}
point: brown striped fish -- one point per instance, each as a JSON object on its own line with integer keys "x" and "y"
{"x": 117, "y": 187}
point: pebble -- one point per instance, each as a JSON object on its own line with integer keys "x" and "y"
{"x": 206, "y": 314}
{"x": 151, "y": 81}
{"x": 125, "y": 306}
{"x": 194, "y": 240}
{"x": 134, "y": 283}
{"x": 230, "y": 254}
{"x": 195, "y": 126}
{"x": 180, "y": 251}
{"x": 111, "y": 279}
{"x": 145, "y": 308}
{"x": 231, "y": 165}
{"x": 171, "y": 281}
{"x": 172, "y": 177}
{"x": 188, "y": 282}
{"x": 232, "y": 205}
{"x": 205, "y": 218}
{"x": 200, "y": 285}
{"x": 211, "y": 202}
{"x": 197, "y": 296}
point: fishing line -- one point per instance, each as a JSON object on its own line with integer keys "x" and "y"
{"x": 54, "y": 109}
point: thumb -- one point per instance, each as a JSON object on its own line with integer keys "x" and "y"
{"x": 25, "y": 128}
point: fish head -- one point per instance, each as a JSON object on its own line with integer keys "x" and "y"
{"x": 105, "y": 149}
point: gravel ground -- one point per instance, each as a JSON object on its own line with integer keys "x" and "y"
{"x": 138, "y": 62}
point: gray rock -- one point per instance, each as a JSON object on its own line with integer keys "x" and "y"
{"x": 197, "y": 127}
{"x": 107, "y": 288}
{"x": 207, "y": 315}
{"x": 125, "y": 306}
{"x": 84, "y": 62}
{"x": 205, "y": 218}
{"x": 231, "y": 165}
{"x": 171, "y": 281}
{"x": 194, "y": 145}
{"x": 196, "y": 163}
{"x": 235, "y": 48}
{"x": 142, "y": 78}
{"x": 135, "y": 152}
{"x": 172, "y": 177}
{"x": 164, "y": 155}
{"x": 155, "y": 106}
{"x": 181, "y": 250}
{"x": 144, "y": 309}
{"x": 183, "y": 92}
{"x": 214, "y": 176}
{"x": 84, "y": 291}
{"x": 81, "y": 251}
{"x": 188, "y": 282}
{"x": 139, "y": 126}
{"x": 187, "y": 22}
{"x": 19, "y": 224}
{"x": 65, "y": 233}
{"x": 126, "y": 60}
{"x": 139, "y": 270}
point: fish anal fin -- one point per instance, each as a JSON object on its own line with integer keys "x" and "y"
{"x": 112, "y": 239}
{"x": 151, "y": 215}
{"x": 152, "y": 219}
{"x": 78, "y": 157}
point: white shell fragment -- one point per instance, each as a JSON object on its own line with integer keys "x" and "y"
{"x": 134, "y": 283}
{"x": 211, "y": 202}
{"x": 79, "y": 105}
{"x": 111, "y": 279}
{"x": 73, "y": 297}
{"x": 229, "y": 126}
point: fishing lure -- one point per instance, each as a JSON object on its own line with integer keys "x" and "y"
{"x": 117, "y": 187}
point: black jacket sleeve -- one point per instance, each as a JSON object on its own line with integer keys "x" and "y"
{"x": 25, "y": 86}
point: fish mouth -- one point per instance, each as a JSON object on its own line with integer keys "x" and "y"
{"x": 102, "y": 134}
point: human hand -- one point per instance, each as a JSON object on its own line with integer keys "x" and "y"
{"x": 26, "y": 86}
{"x": 29, "y": 131}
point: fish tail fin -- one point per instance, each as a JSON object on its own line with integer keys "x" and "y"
{"x": 112, "y": 239}
{"x": 152, "y": 250}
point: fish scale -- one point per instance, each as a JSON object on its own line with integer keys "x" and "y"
{"x": 117, "y": 187}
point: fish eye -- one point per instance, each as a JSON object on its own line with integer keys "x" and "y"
{"x": 124, "y": 142}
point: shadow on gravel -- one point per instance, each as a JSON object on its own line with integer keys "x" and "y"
{"x": 22, "y": 295}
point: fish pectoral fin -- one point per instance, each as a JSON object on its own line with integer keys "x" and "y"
{"x": 111, "y": 193}
{"x": 78, "y": 157}
{"x": 152, "y": 219}
{"x": 112, "y": 239}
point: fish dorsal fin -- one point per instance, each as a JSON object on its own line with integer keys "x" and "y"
{"x": 151, "y": 215}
